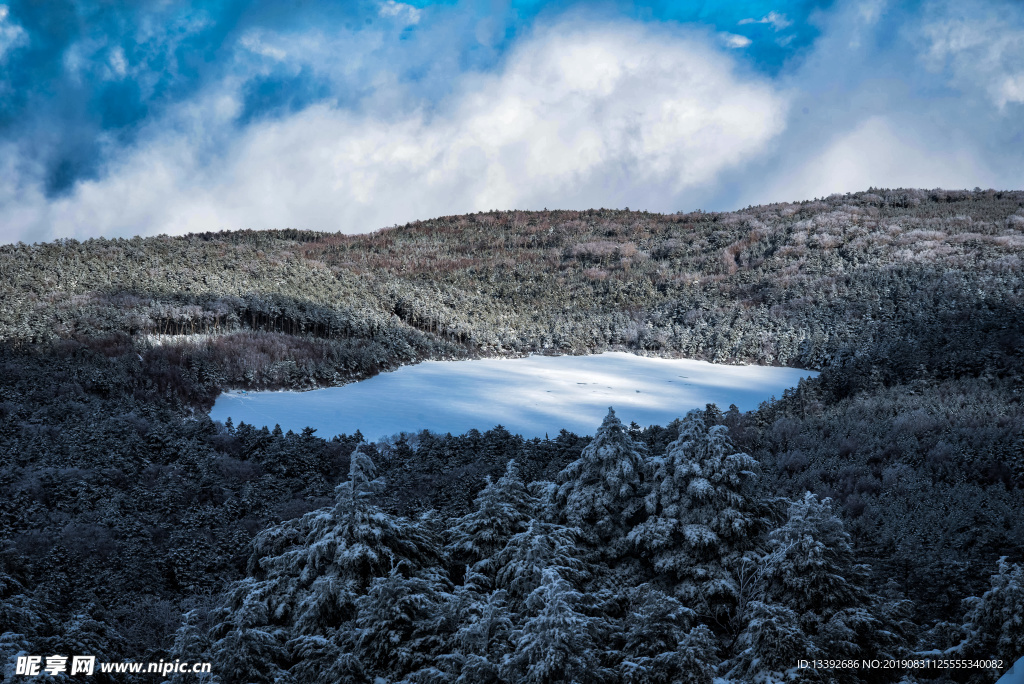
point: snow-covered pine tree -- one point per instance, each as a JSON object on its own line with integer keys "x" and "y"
{"x": 398, "y": 625}
{"x": 713, "y": 415}
{"x": 306, "y": 575}
{"x": 519, "y": 567}
{"x": 255, "y": 655}
{"x": 352, "y": 543}
{"x": 702, "y": 516}
{"x": 546, "y": 495}
{"x": 603, "y": 490}
{"x": 660, "y": 644}
{"x": 816, "y": 569}
{"x": 995, "y": 621}
{"x": 770, "y": 644}
{"x": 191, "y": 641}
{"x": 813, "y": 598}
{"x": 558, "y": 643}
{"x": 315, "y": 656}
{"x": 21, "y": 616}
{"x": 483, "y": 625}
{"x": 503, "y": 508}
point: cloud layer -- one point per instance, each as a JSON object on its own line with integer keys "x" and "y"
{"x": 387, "y": 113}
{"x": 579, "y": 114}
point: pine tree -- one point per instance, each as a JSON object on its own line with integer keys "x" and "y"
{"x": 702, "y": 517}
{"x": 660, "y": 644}
{"x": 353, "y": 542}
{"x": 483, "y": 625}
{"x": 812, "y": 598}
{"x": 546, "y": 495}
{"x": 520, "y": 565}
{"x": 713, "y": 415}
{"x": 995, "y": 621}
{"x": 503, "y": 508}
{"x": 558, "y": 642}
{"x": 603, "y": 490}
{"x": 190, "y": 642}
{"x": 307, "y": 576}
{"x": 250, "y": 654}
{"x": 315, "y": 656}
{"x": 23, "y": 619}
{"x": 817, "y": 571}
{"x": 398, "y": 621}
{"x": 771, "y": 643}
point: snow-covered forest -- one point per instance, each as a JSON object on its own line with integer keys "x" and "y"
{"x": 872, "y": 511}
{"x": 628, "y": 567}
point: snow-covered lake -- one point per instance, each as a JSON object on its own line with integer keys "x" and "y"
{"x": 532, "y": 396}
{"x": 1015, "y": 675}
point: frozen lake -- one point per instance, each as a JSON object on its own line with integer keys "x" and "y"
{"x": 1015, "y": 675}
{"x": 530, "y": 396}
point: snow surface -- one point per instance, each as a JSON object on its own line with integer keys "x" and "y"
{"x": 1015, "y": 675}
{"x": 530, "y": 396}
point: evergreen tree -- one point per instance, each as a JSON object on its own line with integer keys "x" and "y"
{"x": 322, "y": 659}
{"x": 815, "y": 569}
{"x": 503, "y": 508}
{"x": 713, "y": 415}
{"x": 353, "y": 542}
{"x": 811, "y": 598}
{"x": 520, "y": 566}
{"x": 558, "y": 642}
{"x": 771, "y": 643}
{"x": 307, "y": 576}
{"x": 191, "y": 641}
{"x": 398, "y": 621}
{"x": 660, "y": 644}
{"x": 701, "y": 516}
{"x": 995, "y": 621}
{"x": 481, "y": 638}
{"x": 23, "y": 620}
{"x": 603, "y": 490}
{"x": 250, "y": 654}
{"x": 546, "y": 495}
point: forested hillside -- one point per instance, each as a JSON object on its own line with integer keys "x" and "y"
{"x": 797, "y": 284}
{"x": 134, "y": 527}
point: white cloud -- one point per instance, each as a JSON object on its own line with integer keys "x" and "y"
{"x": 253, "y": 42}
{"x": 12, "y": 36}
{"x": 776, "y": 20}
{"x": 1011, "y": 89}
{"x": 881, "y": 153}
{"x": 576, "y": 115}
{"x": 581, "y": 116}
{"x": 871, "y": 10}
{"x": 867, "y": 112}
{"x": 406, "y": 14}
{"x": 977, "y": 48}
{"x": 118, "y": 63}
{"x": 732, "y": 40}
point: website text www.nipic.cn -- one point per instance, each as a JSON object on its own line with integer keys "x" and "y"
{"x": 30, "y": 666}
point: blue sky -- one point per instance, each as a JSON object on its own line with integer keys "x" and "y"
{"x": 139, "y": 118}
